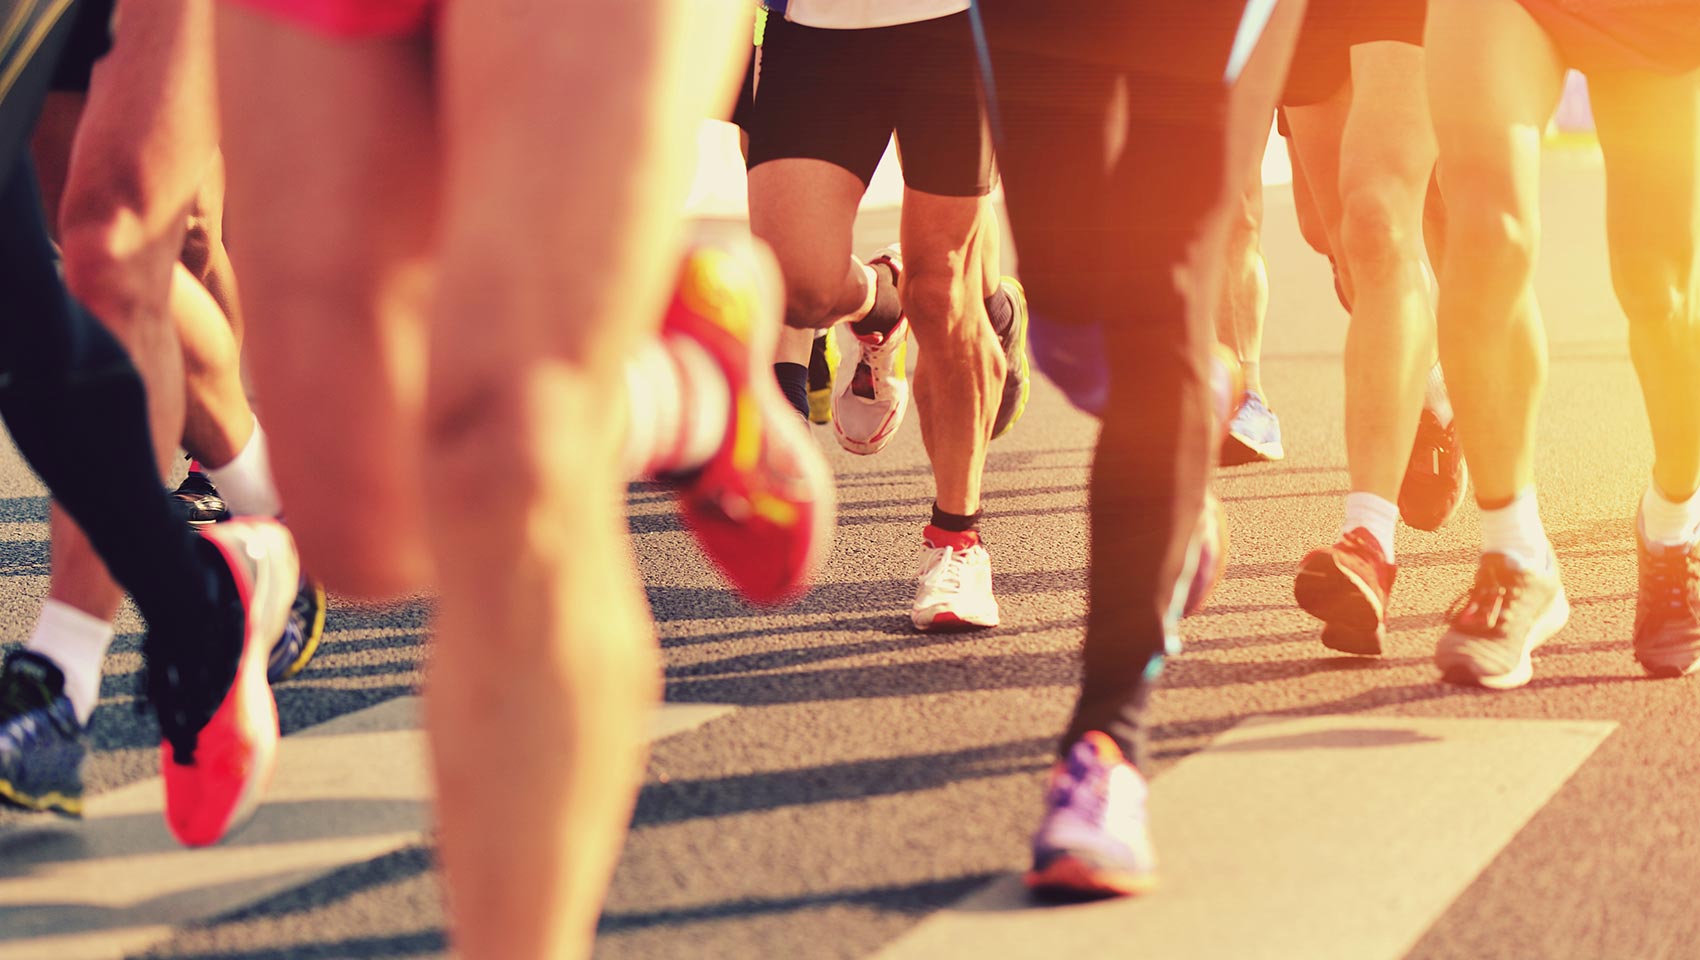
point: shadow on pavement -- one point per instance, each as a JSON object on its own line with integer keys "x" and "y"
{"x": 912, "y": 898}
{"x": 679, "y": 800}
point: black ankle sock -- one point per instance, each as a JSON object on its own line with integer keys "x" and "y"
{"x": 1001, "y": 308}
{"x": 887, "y": 309}
{"x": 955, "y": 522}
{"x": 794, "y": 383}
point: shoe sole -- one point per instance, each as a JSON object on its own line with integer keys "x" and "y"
{"x": 1238, "y": 452}
{"x": 950, "y": 622}
{"x": 1427, "y": 526}
{"x": 1018, "y": 354}
{"x": 779, "y": 425}
{"x": 1462, "y": 673}
{"x": 1669, "y": 664}
{"x": 1351, "y": 616}
{"x": 50, "y": 802}
{"x": 315, "y": 633}
{"x": 888, "y": 427}
{"x": 1069, "y": 878}
{"x": 271, "y": 594}
{"x": 881, "y": 438}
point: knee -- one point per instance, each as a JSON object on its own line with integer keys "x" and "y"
{"x": 1491, "y": 231}
{"x": 1378, "y": 238}
{"x": 1657, "y": 297}
{"x": 812, "y": 297}
{"x": 102, "y": 272}
{"x": 934, "y": 291}
{"x": 550, "y": 434}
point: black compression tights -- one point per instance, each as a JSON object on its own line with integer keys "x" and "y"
{"x": 1118, "y": 129}
{"x": 76, "y": 409}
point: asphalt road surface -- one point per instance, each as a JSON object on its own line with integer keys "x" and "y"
{"x": 825, "y": 783}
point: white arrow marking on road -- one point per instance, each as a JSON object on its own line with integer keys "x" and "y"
{"x": 345, "y": 792}
{"x": 1303, "y": 839}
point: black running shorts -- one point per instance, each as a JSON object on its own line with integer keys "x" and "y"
{"x": 89, "y": 40}
{"x": 839, "y": 95}
{"x": 1322, "y": 62}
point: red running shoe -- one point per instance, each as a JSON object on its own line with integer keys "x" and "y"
{"x": 1346, "y": 587}
{"x": 763, "y": 507}
{"x": 214, "y": 786}
{"x": 1436, "y": 477}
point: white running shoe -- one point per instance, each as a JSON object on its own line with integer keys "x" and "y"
{"x": 870, "y": 408}
{"x": 955, "y": 592}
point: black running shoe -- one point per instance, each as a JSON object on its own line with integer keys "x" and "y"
{"x": 199, "y": 500}
{"x": 42, "y": 745}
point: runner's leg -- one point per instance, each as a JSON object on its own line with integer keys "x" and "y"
{"x": 1494, "y": 78}
{"x": 519, "y": 381}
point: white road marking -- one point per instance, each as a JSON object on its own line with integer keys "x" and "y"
{"x": 1297, "y": 839}
{"x": 345, "y": 792}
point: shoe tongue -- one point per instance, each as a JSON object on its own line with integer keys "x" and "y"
{"x": 939, "y": 538}
{"x": 36, "y": 667}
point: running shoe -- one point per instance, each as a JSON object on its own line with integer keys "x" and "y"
{"x": 42, "y": 745}
{"x": 302, "y": 632}
{"x": 1018, "y": 381}
{"x": 1667, "y": 607}
{"x": 1212, "y": 561}
{"x": 198, "y": 499}
{"x": 1254, "y": 434}
{"x": 1227, "y": 385}
{"x": 1436, "y": 477}
{"x": 1346, "y": 587}
{"x": 955, "y": 591}
{"x": 868, "y": 410}
{"x": 763, "y": 507}
{"x": 1498, "y": 624}
{"x": 823, "y": 372}
{"x": 1093, "y": 841}
{"x": 216, "y": 771}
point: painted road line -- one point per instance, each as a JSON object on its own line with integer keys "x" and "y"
{"x": 1296, "y": 839}
{"x": 346, "y": 791}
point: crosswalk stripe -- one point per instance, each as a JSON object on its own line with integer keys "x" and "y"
{"x": 1318, "y": 837}
{"x": 346, "y": 791}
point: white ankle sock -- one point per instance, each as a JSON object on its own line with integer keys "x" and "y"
{"x": 1664, "y": 522}
{"x": 1375, "y": 514}
{"x": 679, "y": 407}
{"x": 1515, "y": 530}
{"x": 246, "y": 482}
{"x": 1436, "y": 400}
{"x": 76, "y": 643}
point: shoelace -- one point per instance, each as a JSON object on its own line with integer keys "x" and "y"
{"x": 945, "y": 570}
{"x": 1482, "y": 608}
{"x": 1669, "y": 575}
{"x": 1083, "y": 789}
{"x": 23, "y": 703}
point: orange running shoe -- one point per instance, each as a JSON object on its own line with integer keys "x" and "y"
{"x": 763, "y": 507}
{"x": 214, "y": 781}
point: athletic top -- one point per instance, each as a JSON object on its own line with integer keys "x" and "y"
{"x": 1660, "y": 36}
{"x": 859, "y": 14}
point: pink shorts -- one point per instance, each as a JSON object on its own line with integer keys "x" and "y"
{"x": 352, "y": 19}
